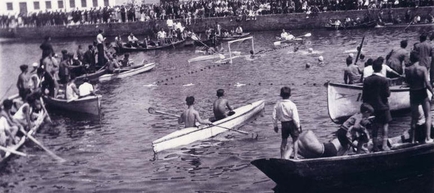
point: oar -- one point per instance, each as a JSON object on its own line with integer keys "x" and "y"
{"x": 359, "y": 50}
{"x": 12, "y": 151}
{"x": 6, "y": 92}
{"x": 45, "y": 110}
{"x": 153, "y": 111}
{"x": 44, "y": 148}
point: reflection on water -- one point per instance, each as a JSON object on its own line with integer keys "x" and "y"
{"x": 114, "y": 154}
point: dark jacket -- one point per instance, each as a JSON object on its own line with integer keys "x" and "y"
{"x": 376, "y": 92}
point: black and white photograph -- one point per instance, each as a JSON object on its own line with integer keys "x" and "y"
{"x": 216, "y": 96}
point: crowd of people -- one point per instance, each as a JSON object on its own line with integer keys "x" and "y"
{"x": 193, "y": 11}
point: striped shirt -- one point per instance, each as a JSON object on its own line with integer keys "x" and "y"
{"x": 285, "y": 110}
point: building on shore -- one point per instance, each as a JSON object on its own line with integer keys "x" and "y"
{"x": 12, "y": 7}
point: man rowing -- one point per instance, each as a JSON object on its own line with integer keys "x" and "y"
{"x": 190, "y": 116}
{"x": 220, "y": 105}
{"x": 24, "y": 113}
{"x": 8, "y": 124}
{"x": 286, "y": 36}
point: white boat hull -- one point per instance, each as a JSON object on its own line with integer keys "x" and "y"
{"x": 89, "y": 104}
{"x": 192, "y": 134}
{"x": 344, "y": 100}
{"x": 132, "y": 72}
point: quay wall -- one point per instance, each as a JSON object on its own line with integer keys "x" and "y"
{"x": 262, "y": 23}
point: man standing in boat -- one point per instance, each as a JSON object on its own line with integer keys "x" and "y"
{"x": 376, "y": 92}
{"x": 397, "y": 57}
{"x": 425, "y": 52}
{"x": 191, "y": 116}
{"x": 220, "y": 105}
{"x": 351, "y": 72}
{"x": 23, "y": 82}
{"x": 100, "y": 46}
{"x": 417, "y": 79}
{"x": 286, "y": 112}
{"x": 47, "y": 48}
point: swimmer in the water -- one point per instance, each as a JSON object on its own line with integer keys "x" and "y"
{"x": 310, "y": 50}
{"x": 252, "y": 54}
{"x": 320, "y": 60}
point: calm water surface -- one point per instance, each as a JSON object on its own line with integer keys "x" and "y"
{"x": 114, "y": 154}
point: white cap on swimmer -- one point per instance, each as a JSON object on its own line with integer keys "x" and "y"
{"x": 310, "y": 50}
{"x": 320, "y": 58}
{"x": 35, "y": 65}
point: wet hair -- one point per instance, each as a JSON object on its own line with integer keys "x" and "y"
{"x": 285, "y": 92}
{"x": 377, "y": 65}
{"x": 189, "y": 100}
{"x": 7, "y": 104}
{"x": 365, "y": 107}
{"x": 404, "y": 43}
{"x": 349, "y": 60}
{"x": 251, "y": 52}
{"x": 362, "y": 56}
{"x": 24, "y": 67}
{"x": 422, "y": 37}
{"x": 414, "y": 56}
{"x": 220, "y": 92}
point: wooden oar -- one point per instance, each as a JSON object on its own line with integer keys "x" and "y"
{"x": 153, "y": 111}
{"x": 359, "y": 50}
{"x": 59, "y": 159}
{"x": 45, "y": 110}
{"x": 12, "y": 151}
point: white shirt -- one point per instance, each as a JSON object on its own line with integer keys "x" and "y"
{"x": 85, "y": 89}
{"x": 285, "y": 110}
{"x": 169, "y": 23}
{"x": 368, "y": 71}
{"x": 99, "y": 38}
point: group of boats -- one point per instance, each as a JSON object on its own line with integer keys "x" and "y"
{"x": 92, "y": 104}
{"x": 334, "y": 25}
{"x": 400, "y": 162}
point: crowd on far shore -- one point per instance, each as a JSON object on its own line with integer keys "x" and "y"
{"x": 192, "y": 11}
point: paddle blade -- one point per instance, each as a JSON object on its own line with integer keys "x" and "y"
{"x": 151, "y": 110}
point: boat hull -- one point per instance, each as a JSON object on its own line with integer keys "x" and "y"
{"x": 192, "y": 134}
{"x": 344, "y": 100}
{"x": 233, "y": 37}
{"x": 91, "y": 76}
{"x": 89, "y": 104}
{"x": 131, "y": 72}
{"x": 329, "y": 26}
{"x": 350, "y": 170}
{"x": 134, "y": 49}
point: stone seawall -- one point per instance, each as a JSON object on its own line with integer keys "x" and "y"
{"x": 262, "y": 23}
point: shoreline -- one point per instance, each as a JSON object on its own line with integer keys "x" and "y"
{"x": 271, "y": 22}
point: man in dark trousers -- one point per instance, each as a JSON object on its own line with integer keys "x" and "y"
{"x": 100, "y": 46}
{"x": 89, "y": 59}
{"x": 47, "y": 49}
{"x": 376, "y": 92}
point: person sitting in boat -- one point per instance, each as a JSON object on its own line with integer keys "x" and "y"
{"x": 132, "y": 40}
{"x": 220, "y": 105}
{"x": 352, "y": 133}
{"x": 8, "y": 124}
{"x": 286, "y": 36}
{"x": 71, "y": 91}
{"x": 35, "y": 82}
{"x": 125, "y": 62}
{"x": 112, "y": 64}
{"x": 24, "y": 113}
{"x": 239, "y": 30}
{"x": 190, "y": 116}
{"x": 86, "y": 88}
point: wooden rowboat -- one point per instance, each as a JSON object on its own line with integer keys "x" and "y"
{"x": 38, "y": 122}
{"x": 360, "y": 170}
{"x": 127, "y": 73}
{"x": 192, "y": 134}
{"x": 125, "y": 48}
{"x": 344, "y": 100}
{"x": 233, "y": 37}
{"x": 92, "y": 76}
{"x": 90, "y": 104}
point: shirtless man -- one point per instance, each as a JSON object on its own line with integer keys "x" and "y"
{"x": 417, "y": 78}
{"x": 23, "y": 82}
{"x": 51, "y": 66}
{"x": 220, "y": 105}
{"x": 12, "y": 126}
{"x": 191, "y": 116}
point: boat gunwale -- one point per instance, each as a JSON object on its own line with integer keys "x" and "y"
{"x": 126, "y": 49}
{"x": 108, "y": 77}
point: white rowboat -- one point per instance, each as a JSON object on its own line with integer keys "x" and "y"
{"x": 344, "y": 100}
{"x": 90, "y": 104}
{"x": 192, "y": 134}
{"x": 206, "y": 57}
{"x": 131, "y": 72}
